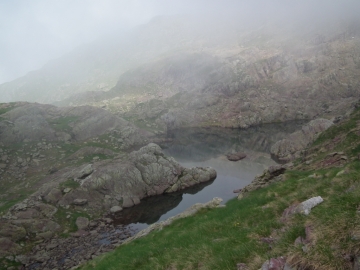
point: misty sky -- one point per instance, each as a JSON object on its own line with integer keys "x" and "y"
{"x": 35, "y": 31}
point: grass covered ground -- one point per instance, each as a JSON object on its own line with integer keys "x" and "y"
{"x": 251, "y": 230}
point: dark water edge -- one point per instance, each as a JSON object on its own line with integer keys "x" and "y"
{"x": 206, "y": 147}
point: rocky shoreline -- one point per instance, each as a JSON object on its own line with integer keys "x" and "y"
{"x": 99, "y": 237}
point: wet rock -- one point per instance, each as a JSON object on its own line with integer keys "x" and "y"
{"x": 236, "y": 156}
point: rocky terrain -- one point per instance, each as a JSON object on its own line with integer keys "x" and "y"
{"x": 202, "y": 76}
{"x": 270, "y": 75}
{"x": 63, "y": 167}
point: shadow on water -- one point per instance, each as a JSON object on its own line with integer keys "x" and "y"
{"x": 152, "y": 208}
{"x": 199, "y": 144}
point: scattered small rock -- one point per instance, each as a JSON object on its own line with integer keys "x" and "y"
{"x": 67, "y": 190}
{"x": 304, "y": 207}
{"x": 275, "y": 264}
{"x": 236, "y": 156}
{"x": 115, "y": 209}
{"x": 80, "y": 202}
{"x": 242, "y": 266}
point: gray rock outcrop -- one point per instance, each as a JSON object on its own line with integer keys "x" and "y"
{"x": 289, "y": 149}
{"x": 271, "y": 175}
{"x": 108, "y": 185}
{"x": 145, "y": 172}
{"x": 34, "y": 122}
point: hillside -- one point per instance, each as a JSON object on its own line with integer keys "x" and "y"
{"x": 265, "y": 228}
{"x": 81, "y": 144}
{"x": 270, "y": 75}
{"x": 98, "y": 65}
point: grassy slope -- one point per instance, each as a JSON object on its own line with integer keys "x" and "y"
{"x": 221, "y": 238}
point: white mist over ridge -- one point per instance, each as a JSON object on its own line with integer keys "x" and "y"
{"x": 33, "y": 32}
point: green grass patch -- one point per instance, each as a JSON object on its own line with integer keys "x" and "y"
{"x": 62, "y": 123}
{"x": 67, "y": 219}
{"x": 70, "y": 183}
{"x": 90, "y": 158}
{"x": 339, "y": 129}
{"x": 8, "y": 108}
{"x": 14, "y": 198}
{"x": 220, "y": 238}
{"x": 6, "y": 264}
{"x": 70, "y": 148}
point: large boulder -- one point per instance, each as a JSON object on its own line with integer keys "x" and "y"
{"x": 34, "y": 122}
{"x": 289, "y": 149}
{"x": 143, "y": 173}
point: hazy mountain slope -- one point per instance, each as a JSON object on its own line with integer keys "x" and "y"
{"x": 179, "y": 71}
{"x": 273, "y": 74}
{"x": 97, "y": 66}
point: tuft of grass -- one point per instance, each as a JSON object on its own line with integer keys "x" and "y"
{"x": 68, "y": 223}
{"x": 339, "y": 129}
{"x": 89, "y": 158}
{"x": 7, "y": 264}
{"x": 7, "y": 108}
{"x": 70, "y": 183}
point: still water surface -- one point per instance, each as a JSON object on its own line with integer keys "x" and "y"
{"x": 207, "y": 147}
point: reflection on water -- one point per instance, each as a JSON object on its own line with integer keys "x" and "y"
{"x": 152, "y": 209}
{"x": 200, "y": 144}
{"x": 207, "y": 147}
